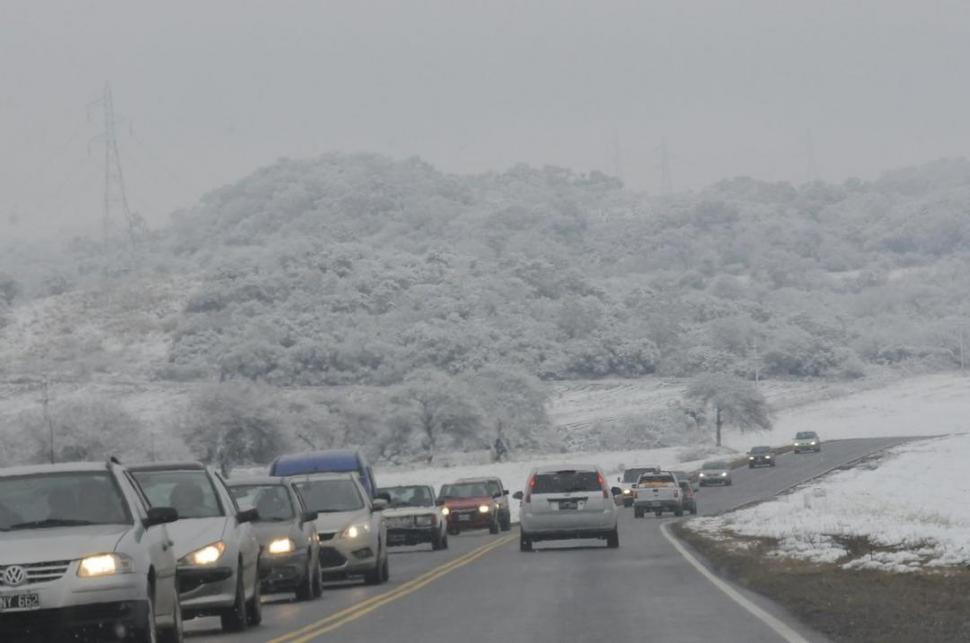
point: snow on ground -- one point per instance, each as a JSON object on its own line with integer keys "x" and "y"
{"x": 911, "y": 506}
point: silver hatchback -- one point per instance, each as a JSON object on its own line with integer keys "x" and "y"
{"x": 563, "y": 502}
{"x": 83, "y": 556}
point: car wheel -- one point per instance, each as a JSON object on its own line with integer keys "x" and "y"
{"x": 525, "y": 544}
{"x": 379, "y": 574}
{"x": 254, "y": 609}
{"x": 437, "y": 541}
{"x": 693, "y": 509}
{"x": 234, "y": 618}
{"x": 444, "y": 541}
{"x": 637, "y": 513}
{"x": 147, "y": 631}
{"x": 679, "y": 513}
{"x": 507, "y": 522}
{"x": 493, "y": 528}
{"x": 627, "y": 503}
{"x": 730, "y": 482}
{"x": 613, "y": 539}
{"x": 175, "y": 633}
{"x": 304, "y": 591}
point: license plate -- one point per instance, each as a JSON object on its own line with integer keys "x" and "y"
{"x": 464, "y": 517}
{"x": 27, "y": 601}
{"x": 568, "y": 505}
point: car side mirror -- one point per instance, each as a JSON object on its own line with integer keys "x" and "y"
{"x": 505, "y": 493}
{"x": 309, "y": 516}
{"x": 496, "y": 495}
{"x": 160, "y": 516}
{"x": 379, "y": 504}
{"x": 616, "y": 491}
{"x": 517, "y": 495}
{"x": 249, "y": 515}
{"x": 386, "y": 497}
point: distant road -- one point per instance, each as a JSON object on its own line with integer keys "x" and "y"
{"x": 484, "y": 589}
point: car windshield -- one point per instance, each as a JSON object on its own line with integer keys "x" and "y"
{"x": 761, "y": 450}
{"x": 567, "y": 482}
{"x": 271, "y": 501}
{"x": 805, "y": 435}
{"x": 50, "y": 500}
{"x": 632, "y": 475}
{"x": 190, "y": 492}
{"x": 330, "y": 496}
{"x": 717, "y": 464}
{"x": 409, "y": 496}
{"x": 465, "y": 490}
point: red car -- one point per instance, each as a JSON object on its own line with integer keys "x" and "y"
{"x": 469, "y": 505}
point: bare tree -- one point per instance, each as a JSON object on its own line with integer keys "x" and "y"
{"x": 732, "y": 401}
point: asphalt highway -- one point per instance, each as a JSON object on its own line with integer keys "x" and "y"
{"x": 484, "y": 589}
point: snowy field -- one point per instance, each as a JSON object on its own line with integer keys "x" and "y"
{"x": 911, "y": 506}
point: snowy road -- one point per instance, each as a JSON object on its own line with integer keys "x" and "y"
{"x": 484, "y": 589}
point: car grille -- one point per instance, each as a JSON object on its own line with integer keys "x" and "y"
{"x": 330, "y": 557}
{"x": 403, "y": 521}
{"x": 327, "y": 536}
{"x": 41, "y": 572}
{"x": 464, "y": 512}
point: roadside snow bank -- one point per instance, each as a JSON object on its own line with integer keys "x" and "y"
{"x": 905, "y": 512}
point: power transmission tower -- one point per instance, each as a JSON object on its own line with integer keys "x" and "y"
{"x": 115, "y": 194}
{"x": 666, "y": 181}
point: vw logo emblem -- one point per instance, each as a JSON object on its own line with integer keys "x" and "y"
{"x": 14, "y": 576}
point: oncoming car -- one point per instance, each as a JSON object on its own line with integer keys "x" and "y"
{"x": 567, "y": 502}
{"x": 82, "y": 556}
{"x": 628, "y": 482}
{"x": 349, "y": 524}
{"x": 217, "y": 552}
{"x": 290, "y": 561}
{"x": 760, "y": 457}
{"x": 717, "y": 472}
{"x": 807, "y": 441}
{"x": 413, "y": 517}
{"x": 469, "y": 505}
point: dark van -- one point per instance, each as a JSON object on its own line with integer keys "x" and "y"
{"x": 330, "y": 461}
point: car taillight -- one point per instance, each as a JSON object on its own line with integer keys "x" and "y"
{"x": 602, "y": 483}
{"x": 532, "y": 485}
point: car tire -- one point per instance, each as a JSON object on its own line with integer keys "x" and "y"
{"x": 679, "y": 513}
{"x": 234, "y": 618}
{"x": 147, "y": 630}
{"x": 254, "y": 607}
{"x": 627, "y": 503}
{"x": 379, "y": 574}
{"x": 507, "y": 522}
{"x": 304, "y": 591}
{"x": 637, "y": 513}
{"x": 175, "y": 633}
{"x": 317, "y": 581}
{"x": 494, "y": 527}
{"x": 613, "y": 539}
{"x": 437, "y": 541}
{"x": 525, "y": 544}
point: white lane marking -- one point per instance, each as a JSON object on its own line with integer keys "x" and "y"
{"x": 783, "y": 630}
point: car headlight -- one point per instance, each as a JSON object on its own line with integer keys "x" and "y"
{"x": 104, "y": 565}
{"x": 424, "y": 521}
{"x": 627, "y": 492}
{"x": 281, "y": 546}
{"x": 484, "y": 509}
{"x": 701, "y": 475}
{"x": 767, "y": 457}
{"x": 812, "y": 443}
{"x": 445, "y": 511}
{"x": 208, "y": 555}
{"x": 750, "y": 457}
{"x": 355, "y": 531}
{"x": 724, "y": 474}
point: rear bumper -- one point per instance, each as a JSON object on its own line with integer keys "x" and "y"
{"x": 557, "y": 526}
{"x": 651, "y": 505}
{"x": 707, "y": 482}
{"x": 90, "y": 622}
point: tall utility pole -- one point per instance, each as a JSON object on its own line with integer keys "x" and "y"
{"x": 45, "y": 402}
{"x": 115, "y": 195}
{"x": 666, "y": 181}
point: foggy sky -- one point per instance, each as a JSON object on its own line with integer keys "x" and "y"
{"x": 214, "y": 89}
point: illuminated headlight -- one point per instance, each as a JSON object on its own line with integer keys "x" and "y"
{"x": 724, "y": 474}
{"x": 767, "y": 457}
{"x": 750, "y": 457}
{"x": 281, "y": 546}
{"x": 208, "y": 555}
{"x": 445, "y": 511}
{"x": 356, "y": 531}
{"x": 702, "y": 475}
{"x": 812, "y": 443}
{"x": 627, "y": 492}
{"x": 484, "y": 509}
{"x": 424, "y": 521}
{"x": 104, "y": 565}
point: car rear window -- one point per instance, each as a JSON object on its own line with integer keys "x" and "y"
{"x": 656, "y": 480}
{"x": 566, "y": 482}
{"x": 632, "y": 475}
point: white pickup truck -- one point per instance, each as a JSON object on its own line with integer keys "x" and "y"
{"x": 658, "y": 492}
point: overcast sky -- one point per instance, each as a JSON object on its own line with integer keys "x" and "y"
{"x": 214, "y": 89}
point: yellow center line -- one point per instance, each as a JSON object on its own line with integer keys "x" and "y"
{"x": 363, "y": 608}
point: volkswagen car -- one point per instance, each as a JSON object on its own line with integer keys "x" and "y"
{"x": 412, "y": 517}
{"x": 214, "y": 542}
{"x": 83, "y": 556}
{"x": 287, "y": 533}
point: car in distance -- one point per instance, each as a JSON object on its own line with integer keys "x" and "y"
{"x": 501, "y": 496}
{"x": 290, "y": 560}
{"x": 760, "y": 457}
{"x": 567, "y": 502}
{"x": 82, "y": 553}
{"x": 469, "y": 505}
{"x": 329, "y": 461}
{"x": 350, "y": 526}
{"x": 628, "y": 482}
{"x": 716, "y": 472}
{"x": 217, "y": 551}
{"x": 413, "y": 517}
{"x": 807, "y": 441}
{"x": 687, "y": 492}
{"x": 658, "y": 492}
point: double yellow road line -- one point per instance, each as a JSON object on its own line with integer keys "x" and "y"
{"x": 341, "y": 618}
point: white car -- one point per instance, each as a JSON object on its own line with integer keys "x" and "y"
{"x": 807, "y": 441}
{"x": 716, "y": 472}
{"x": 565, "y": 502}
{"x": 413, "y": 516}
{"x": 216, "y": 547}
{"x": 628, "y": 482}
{"x": 658, "y": 492}
{"x": 82, "y": 553}
{"x": 350, "y": 525}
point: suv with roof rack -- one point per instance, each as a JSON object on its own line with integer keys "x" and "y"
{"x": 83, "y": 555}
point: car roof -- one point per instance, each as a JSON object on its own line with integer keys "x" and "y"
{"x": 187, "y": 465}
{"x": 322, "y": 461}
{"x": 255, "y": 480}
{"x": 480, "y": 479}
{"x": 324, "y": 475}
{"x": 566, "y": 467}
{"x": 63, "y": 467}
